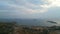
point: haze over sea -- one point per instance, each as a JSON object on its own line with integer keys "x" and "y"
{"x": 30, "y": 12}
{"x": 29, "y": 22}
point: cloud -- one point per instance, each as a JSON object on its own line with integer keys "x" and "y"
{"x": 27, "y": 7}
{"x": 53, "y": 3}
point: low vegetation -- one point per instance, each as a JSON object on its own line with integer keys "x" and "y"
{"x": 12, "y": 28}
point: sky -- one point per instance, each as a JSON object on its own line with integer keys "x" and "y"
{"x": 30, "y": 9}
